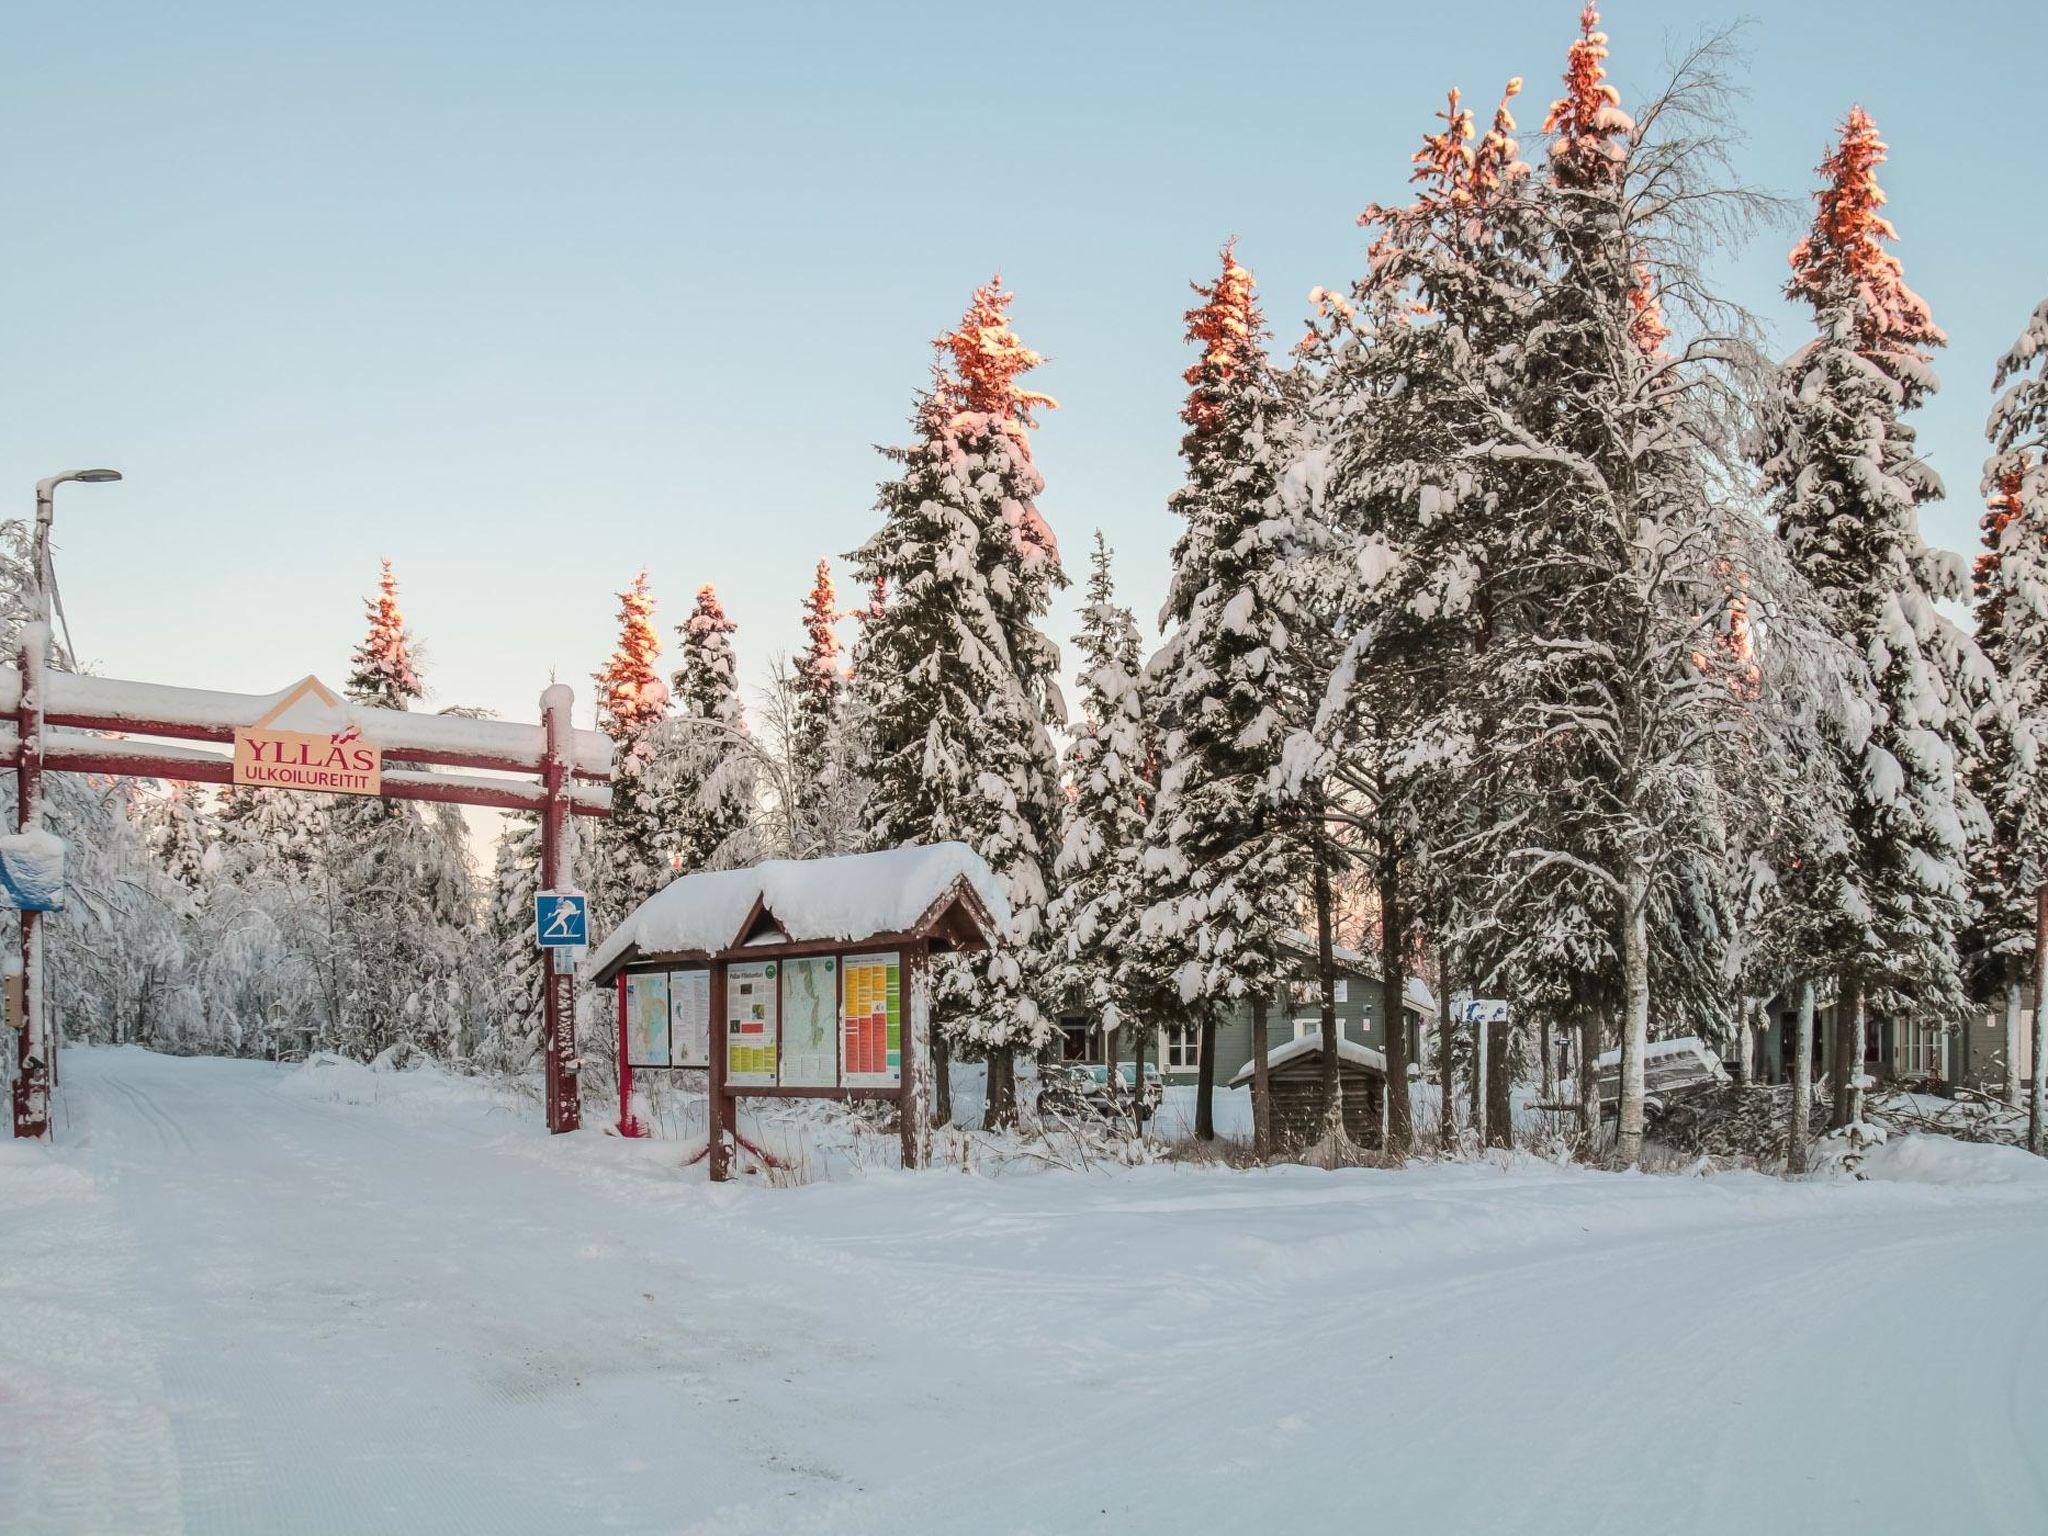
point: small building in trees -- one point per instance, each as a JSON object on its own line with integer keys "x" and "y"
{"x": 1903, "y": 1050}
{"x": 1294, "y": 1071}
{"x": 1295, "y": 1010}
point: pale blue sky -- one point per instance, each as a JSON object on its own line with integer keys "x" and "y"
{"x": 525, "y": 296}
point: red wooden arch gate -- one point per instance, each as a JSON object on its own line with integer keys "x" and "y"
{"x": 65, "y": 722}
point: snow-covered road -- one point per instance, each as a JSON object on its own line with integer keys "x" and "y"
{"x": 229, "y": 1303}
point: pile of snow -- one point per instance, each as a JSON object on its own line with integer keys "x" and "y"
{"x": 417, "y": 1092}
{"x": 850, "y": 898}
{"x": 1944, "y": 1160}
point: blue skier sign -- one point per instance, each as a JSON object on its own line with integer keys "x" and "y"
{"x": 561, "y": 920}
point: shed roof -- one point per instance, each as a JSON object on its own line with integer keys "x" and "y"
{"x": 845, "y": 899}
{"x": 1312, "y": 1045}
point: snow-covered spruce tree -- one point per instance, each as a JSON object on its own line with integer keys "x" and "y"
{"x": 1575, "y": 742}
{"x": 1846, "y": 482}
{"x": 710, "y": 765}
{"x": 820, "y": 683}
{"x": 2012, "y": 626}
{"x": 629, "y": 857}
{"x": 181, "y": 832}
{"x": 401, "y": 892}
{"x": 1226, "y": 854}
{"x": 1095, "y": 914}
{"x": 957, "y": 681}
{"x": 513, "y": 1037}
{"x": 1395, "y": 564}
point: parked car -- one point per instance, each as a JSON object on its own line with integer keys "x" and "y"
{"x": 1127, "y": 1077}
{"x": 1066, "y": 1088}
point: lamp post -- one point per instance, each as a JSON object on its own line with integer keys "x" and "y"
{"x": 35, "y": 1045}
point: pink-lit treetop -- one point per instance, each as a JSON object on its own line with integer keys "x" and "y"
{"x": 1587, "y": 121}
{"x": 630, "y": 693}
{"x": 1846, "y": 249}
{"x": 382, "y": 673}
{"x": 1224, "y": 329}
{"x": 988, "y": 359}
{"x": 818, "y": 673}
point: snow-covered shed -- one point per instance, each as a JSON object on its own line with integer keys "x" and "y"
{"x": 1294, "y": 1074}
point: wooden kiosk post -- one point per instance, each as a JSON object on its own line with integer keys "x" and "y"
{"x": 832, "y": 1001}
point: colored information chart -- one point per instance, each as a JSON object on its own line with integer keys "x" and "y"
{"x": 750, "y": 1025}
{"x": 647, "y": 1043}
{"x": 871, "y": 1029}
{"x": 810, "y": 1014}
{"x": 689, "y": 998}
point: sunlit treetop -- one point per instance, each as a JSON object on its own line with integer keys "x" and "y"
{"x": 1587, "y": 123}
{"x": 988, "y": 359}
{"x": 818, "y": 666}
{"x": 630, "y": 693}
{"x": 383, "y": 672}
{"x": 1847, "y": 246}
{"x": 1225, "y": 329}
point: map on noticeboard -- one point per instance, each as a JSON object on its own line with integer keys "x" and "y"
{"x": 689, "y": 1014}
{"x": 810, "y": 1023}
{"x": 871, "y": 1021}
{"x": 647, "y": 1022}
{"x": 750, "y": 1025}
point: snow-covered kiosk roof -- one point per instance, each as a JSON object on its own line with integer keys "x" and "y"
{"x": 943, "y": 893}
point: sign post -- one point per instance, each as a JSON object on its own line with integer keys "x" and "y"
{"x": 557, "y": 875}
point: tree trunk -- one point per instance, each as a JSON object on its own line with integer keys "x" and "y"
{"x": 2037, "y": 1132}
{"x": 1478, "y": 1109}
{"x": 1589, "y": 1082}
{"x": 1262, "y": 1089}
{"x": 1398, "y": 1133}
{"x": 1848, "y": 1066}
{"x": 1635, "y": 1020}
{"x": 1802, "y": 1085}
{"x": 1002, "y": 1089}
{"x": 1205, "y": 1079}
{"x": 2015, "y": 1084}
{"x": 1112, "y": 1085}
{"x": 1447, "y": 1130}
{"x": 1138, "y": 1082}
{"x": 942, "y": 1079}
{"x": 1848, "y": 1004}
{"x": 1500, "y": 1083}
{"x": 1332, "y": 1143}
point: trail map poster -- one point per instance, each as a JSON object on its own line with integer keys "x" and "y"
{"x": 871, "y": 1022}
{"x": 689, "y": 1012}
{"x": 750, "y": 1025}
{"x": 810, "y": 1018}
{"x": 647, "y": 1043}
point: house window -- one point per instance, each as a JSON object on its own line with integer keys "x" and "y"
{"x": 1306, "y": 991}
{"x": 1303, "y": 1028}
{"x": 1919, "y": 1051}
{"x": 1183, "y": 1048}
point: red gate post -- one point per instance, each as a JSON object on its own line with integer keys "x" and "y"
{"x": 628, "y": 1126}
{"x": 32, "y": 1075}
{"x": 557, "y": 873}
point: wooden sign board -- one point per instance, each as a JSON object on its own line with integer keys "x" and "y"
{"x": 271, "y": 756}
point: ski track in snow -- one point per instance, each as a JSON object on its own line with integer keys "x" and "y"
{"x": 230, "y": 1303}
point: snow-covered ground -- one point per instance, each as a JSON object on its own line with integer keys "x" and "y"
{"x": 243, "y": 1298}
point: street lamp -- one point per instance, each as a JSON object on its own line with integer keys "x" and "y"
{"x": 46, "y": 509}
{"x": 36, "y": 1062}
